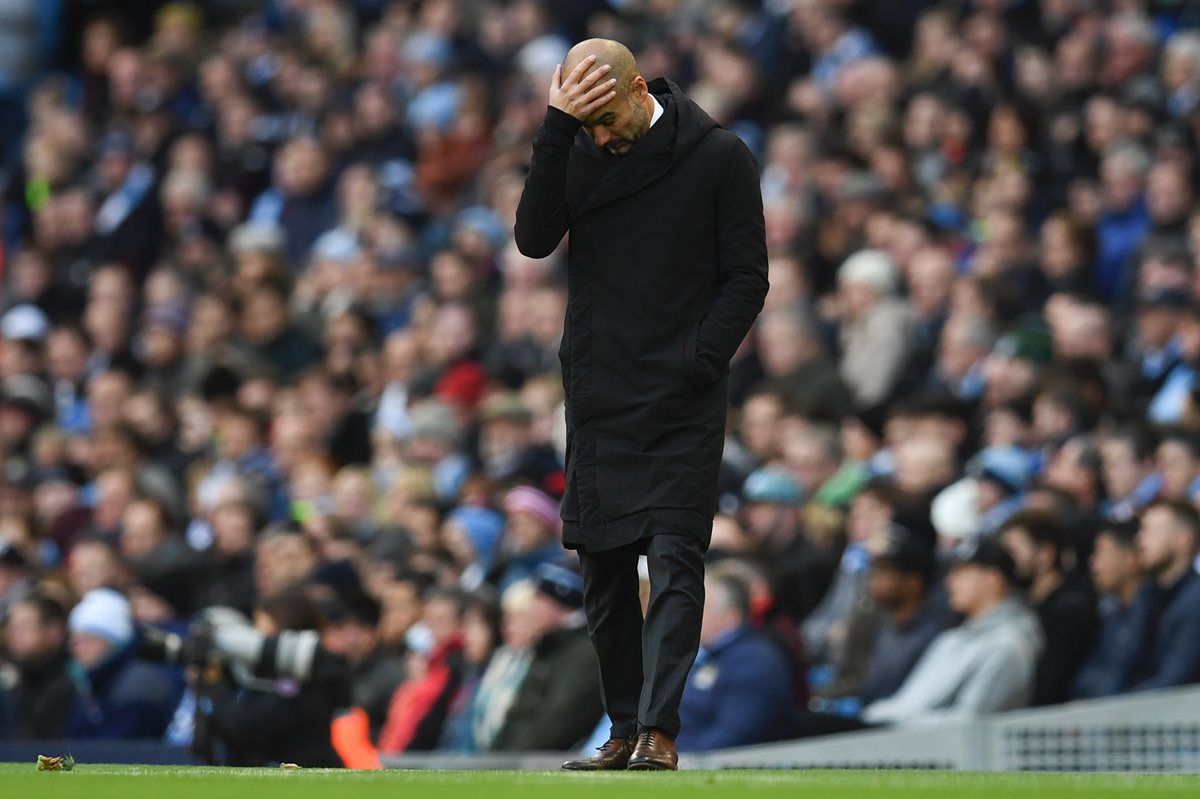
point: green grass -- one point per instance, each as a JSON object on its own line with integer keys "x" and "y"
{"x": 149, "y": 782}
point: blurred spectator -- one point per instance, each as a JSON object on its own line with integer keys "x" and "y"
{"x": 558, "y": 702}
{"x": 876, "y": 327}
{"x": 1167, "y": 542}
{"x": 117, "y": 695}
{"x": 1118, "y": 577}
{"x": 35, "y": 640}
{"x": 738, "y": 691}
{"x": 798, "y": 571}
{"x": 913, "y": 613}
{"x": 1038, "y": 546}
{"x": 418, "y": 708}
{"x": 350, "y": 630}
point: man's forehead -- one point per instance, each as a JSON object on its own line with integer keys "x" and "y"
{"x": 611, "y": 105}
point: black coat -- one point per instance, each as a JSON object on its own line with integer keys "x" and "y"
{"x": 558, "y": 703}
{"x": 667, "y": 270}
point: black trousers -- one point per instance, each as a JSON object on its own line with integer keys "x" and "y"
{"x": 644, "y": 662}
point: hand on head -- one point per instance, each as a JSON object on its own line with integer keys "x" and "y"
{"x": 578, "y": 94}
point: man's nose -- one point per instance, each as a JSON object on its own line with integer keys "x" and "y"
{"x": 602, "y": 136}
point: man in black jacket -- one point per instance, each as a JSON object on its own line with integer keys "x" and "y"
{"x": 35, "y": 637}
{"x": 667, "y": 271}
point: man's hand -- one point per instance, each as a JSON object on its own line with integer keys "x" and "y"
{"x": 578, "y": 95}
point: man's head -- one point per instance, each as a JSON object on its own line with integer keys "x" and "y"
{"x": 772, "y": 501}
{"x": 1178, "y": 461}
{"x": 282, "y": 560}
{"x": 557, "y": 598}
{"x": 726, "y": 605}
{"x": 980, "y": 577}
{"x": 616, "y": 125}
{"x": 901, "y": 568}
{"x": 101, "y": 626}
{"x": 1036, "y": 542}
{"x": 533, "y": 519}
{"x": 1115, "y": 563}
{"x": 36, "y": 630}
{"x": 351, "y": 627}
{"x": 758, "y": 422}
{"x": 1167, "y": 538}
{"x": 1126, "y": 459}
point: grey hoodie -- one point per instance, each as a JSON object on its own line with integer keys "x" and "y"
{"x": 983, "y": 666}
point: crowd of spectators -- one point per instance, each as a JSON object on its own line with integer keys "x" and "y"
{"x": 268, "y": 345}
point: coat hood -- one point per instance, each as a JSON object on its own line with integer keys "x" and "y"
{"x": 692, "y": 123}
{"x": 604, "y": 178}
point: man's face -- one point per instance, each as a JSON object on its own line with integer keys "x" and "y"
{"x": 1121, "y": 468}
{"x": 622, "y": 121}
{"x": 27, "y": 637}
{"x": 966, "y": 586}
{"x": 1024, "y": 552}
{"x": 1111, "y": 564}
{"x": 90, "y": 650}
{"x": 886, "y": 584}
{"x": 1158, "y": 540}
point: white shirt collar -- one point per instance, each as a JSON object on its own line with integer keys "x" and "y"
{"x": 658, "y": 110}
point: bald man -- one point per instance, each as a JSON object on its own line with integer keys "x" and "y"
{"x": 667, "y": 270}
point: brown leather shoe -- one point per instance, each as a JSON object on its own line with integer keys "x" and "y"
{"x": 613, "y": 756}
{"x": 655, "y": 751}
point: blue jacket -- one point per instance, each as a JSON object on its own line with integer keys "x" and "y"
{"x": 1171, "y": 652}
{"x": 739, "y": 693}
{"x": 1109, "y": 667}
{"x": 122, "y": 698}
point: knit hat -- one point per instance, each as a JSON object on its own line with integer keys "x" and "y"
{"x": 873, "y": 268}
{"x": 560, "y": 584}
{"x": 537, "y": 503}
{"x": 482, "y": 527}
{"x": 105, "y": 614}
{"x": 1008, "y": 467}
{"x": 24, "y": 323}
{"x": 772, "y": 486}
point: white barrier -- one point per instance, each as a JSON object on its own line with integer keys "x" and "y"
{"x": 1155, "y": 732}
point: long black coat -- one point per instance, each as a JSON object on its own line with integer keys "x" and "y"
{"x": 667, "y": 271}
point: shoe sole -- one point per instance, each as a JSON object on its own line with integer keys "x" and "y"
{"x": 650, "y": 767}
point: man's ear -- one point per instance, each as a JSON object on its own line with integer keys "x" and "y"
{"x": 639, "y": 89}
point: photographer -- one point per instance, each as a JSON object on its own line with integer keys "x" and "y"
{"x": 269, "y": 693}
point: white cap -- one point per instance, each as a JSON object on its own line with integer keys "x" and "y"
{"x": 24, "y": 322}
{"x": 874, "y": 268}
{"x": 257, "y": 237}
{"x": 105, "y": 614}
{"x": 955, "y": 510}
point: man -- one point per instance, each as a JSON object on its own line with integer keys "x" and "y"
{"x": 740, "y": 691}
{"x": 558, "y": 702}
{"x": 666, "y": 272}
{"x": 900, "y": 582}
{"x": 352, "y": 631}
{"x": 1037, "y": 543}
{"x": 35, "y": 637}
{"x": 1167, "y": 542}
{"x": 798, "y": 572}
{"x": 983, "y": 666}
{"x": 118, "y": 695}
{"x": 1118, "y": 576}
